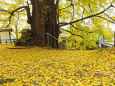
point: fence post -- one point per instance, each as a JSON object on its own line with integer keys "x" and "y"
{"x": 100, "y": 41}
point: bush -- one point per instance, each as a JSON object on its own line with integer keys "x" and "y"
{"x": 22, "y": 42}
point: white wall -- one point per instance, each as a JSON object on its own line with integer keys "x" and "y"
{"x": 4, "y": 35}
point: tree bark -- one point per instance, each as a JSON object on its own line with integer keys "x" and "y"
{"x": 44, "y": 23}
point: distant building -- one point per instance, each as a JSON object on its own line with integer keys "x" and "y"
{"x": 5, "y": 36}
{"x": 26, "y": 33}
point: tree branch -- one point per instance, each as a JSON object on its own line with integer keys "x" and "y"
{"x": 106, "y": 19}
{"x": 68, "y": 6}
{"x": 3, "y": 20}
{"x": 90, "y": 9}
{"x": 17, "y": 26}
{"x": 94, "y": 15}
{"x": 57, "y": 4}
{"x": 72, "y": 33}
{"x": 80, "y": 29}
{"x": 109, "y": 17}
{"x": 16, "y": 10}
{"x": 5, "y": 11}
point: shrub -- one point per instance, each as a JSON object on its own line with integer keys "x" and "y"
{"x": 22, "y": 42}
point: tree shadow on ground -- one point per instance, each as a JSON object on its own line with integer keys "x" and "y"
{"x": 5, "y": 80}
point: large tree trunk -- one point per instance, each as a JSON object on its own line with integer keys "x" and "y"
{"x": 44, "y": 23}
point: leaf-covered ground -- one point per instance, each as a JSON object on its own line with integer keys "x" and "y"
{"x": 48, "y": 67}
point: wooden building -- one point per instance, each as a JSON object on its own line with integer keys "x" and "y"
{"x": 25, "y": 33}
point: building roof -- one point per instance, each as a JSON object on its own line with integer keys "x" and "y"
{"x": 3, "y": 30}
{"x": 24, "y": 30}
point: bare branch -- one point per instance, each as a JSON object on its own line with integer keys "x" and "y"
{"x": 94, "y": 15}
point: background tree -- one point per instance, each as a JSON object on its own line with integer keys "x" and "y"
{"x": 85, "y": 20}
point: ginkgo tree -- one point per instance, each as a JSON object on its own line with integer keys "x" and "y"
{"x": 85, "y": 20}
